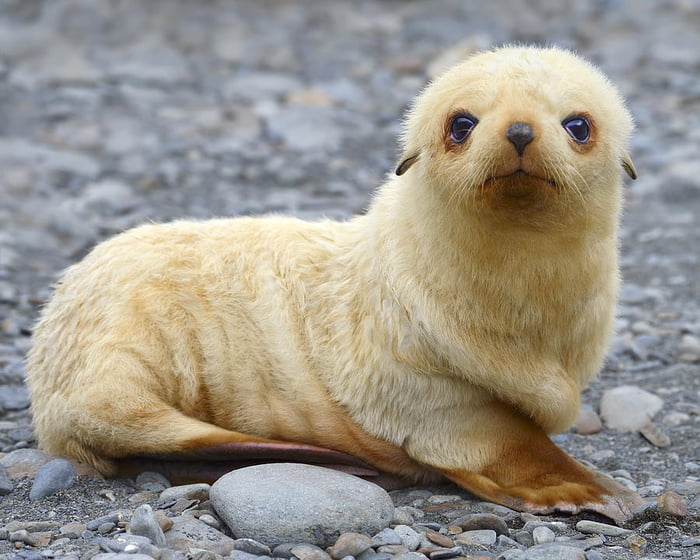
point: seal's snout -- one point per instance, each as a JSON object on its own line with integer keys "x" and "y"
{"x": 520, "y": 135}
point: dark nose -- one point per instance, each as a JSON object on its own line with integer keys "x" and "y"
{"x": 520, "y": 135}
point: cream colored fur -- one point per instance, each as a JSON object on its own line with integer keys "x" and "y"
{"x": 467, "y": 284}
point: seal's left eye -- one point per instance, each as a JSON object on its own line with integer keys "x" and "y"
{"x": 461, "y": 127}
{"x": 578, "y": 128}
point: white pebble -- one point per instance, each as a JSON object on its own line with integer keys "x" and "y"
{"x": 542, "y": 535}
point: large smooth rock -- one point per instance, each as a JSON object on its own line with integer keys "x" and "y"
{"x": 628, "y": 408}
{"x": 288, "y": 502}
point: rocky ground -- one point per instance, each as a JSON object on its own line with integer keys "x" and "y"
{"x": 116, "y": 113}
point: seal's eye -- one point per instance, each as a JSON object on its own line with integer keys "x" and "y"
{"x": 578, "y": 128}
{"x": 461, "y": 127}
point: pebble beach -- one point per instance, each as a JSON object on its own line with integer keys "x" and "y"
{"x": 115, "y": 114}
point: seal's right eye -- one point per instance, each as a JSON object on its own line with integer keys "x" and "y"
{"x": 461, "y": 127}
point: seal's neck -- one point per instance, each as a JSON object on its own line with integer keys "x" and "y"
{"x": 420, "y": 232}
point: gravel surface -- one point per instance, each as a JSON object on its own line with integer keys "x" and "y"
{"x": 117, "y": 113}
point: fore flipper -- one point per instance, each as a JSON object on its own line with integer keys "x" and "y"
{"x": 530, "y": 473}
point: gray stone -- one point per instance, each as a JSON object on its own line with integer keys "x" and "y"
{"x": 687, "y": 488}
{"x": 444, "y": 554}
{"x": 371, "y": 554}
{"x": 55, "y": 160}
{"x": 307, "y": 551}
{"x": 409, "y": 538}
{"x": 6, "y": 485}
{"x": 655, "y": 435}
{"x": 588, "y": 421}
{"x": 542, "y": 535}
{"x": 386, "y": 537}
{"x": 252, "y": 546}
{"x": 411, "y": 556}
{"x": 210, "y": 520}
{"x": 675, "y": 418}
{"x": 393, "y": 549}
{"x": 689, "y": 348}
{"x": 57, "y": 474}
{"x": 243, "y": 555}
{"x": 483, "y": 537}
{"x": 189, "y": 533}
{"x": 477, "y": 521}
{"x": 550, "y": 551}
{"x": 306, "y": 128}
{"x": 110, "y": 518}
{"x": 13, "y": 397}
{"x": 130, "y": 544}
{"x": 443, "y": 499}
{"x": 556, "y": 526}
{"x": 187, "y": 491}
{"x": 257, "y": 85}
{"x": 586, "y": 526}
{"x": 308, "y": 504}
{"x": 406, "y": 515}
{"x": 504, "y": 542}
{"x": 628, "y": 408}
{"x": 144, "y": 523}
{"x": 121, "y": 556}
{"x": 349, "y": 544}
{"x": 152, "y": 482}
{"x": 524, "y": 538}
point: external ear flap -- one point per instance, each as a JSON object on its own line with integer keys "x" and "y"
{"x": 628, "y": 166}
{"x": 406, "y": 162}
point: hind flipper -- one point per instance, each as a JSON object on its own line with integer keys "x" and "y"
{"x": 208, "y": 464}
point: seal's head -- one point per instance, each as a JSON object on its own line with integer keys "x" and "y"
{"x": 528, "y": 136}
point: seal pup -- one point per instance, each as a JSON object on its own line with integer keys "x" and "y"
{"x": 442, "y": 334}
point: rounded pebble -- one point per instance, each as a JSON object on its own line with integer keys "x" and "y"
{"x": 188, "y": 532}
{"x": 252, "y": 546}
{"x": 637, "y": 544}
{"x": 588, "y": 421}
{"x": 186, "y": 491}
{"x": 672, "y": 503}
{"x": 548, "y": 551}
{"x": 308, "y": 503}
{"x": 386, "y": 537}
{"x": 144, "y": 523}
{"x": 479, "y": 521}
{"x": 409, "y": 538}
{"x": 484, "y": 537}
{"x": 586, "y": 526}
{"x": 628, "y": 408}
{"x": 6, "y": 484}
{"x": 349, "y": 544}
{"x": 541, "y": 535}
{"x": 307, "y": 551}
{"x": 152, "y": 482}
{"x": 57, "y": 474}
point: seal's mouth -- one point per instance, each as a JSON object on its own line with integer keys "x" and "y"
{"x": 520, "y": 178}
{"x": 520, "y": 191}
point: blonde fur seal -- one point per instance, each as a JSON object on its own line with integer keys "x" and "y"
{"x": 443, "y": 333}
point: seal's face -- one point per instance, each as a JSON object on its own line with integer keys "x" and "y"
{"x": 524, "y": 133}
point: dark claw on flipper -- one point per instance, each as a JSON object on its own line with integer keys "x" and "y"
{"x": 208, "y": 464}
